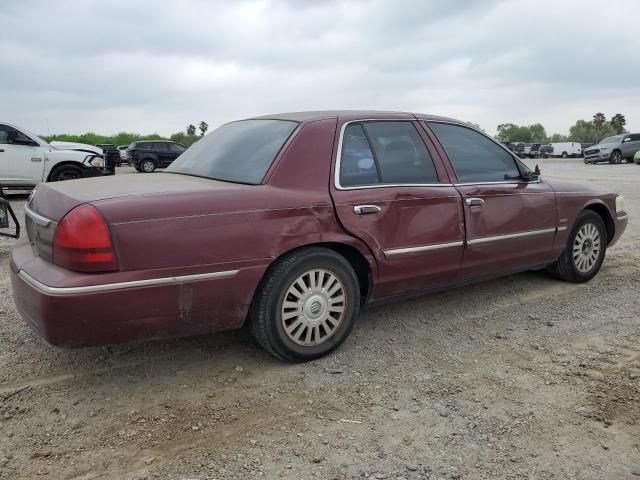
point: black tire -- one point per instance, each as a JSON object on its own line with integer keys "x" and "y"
{"x": 265, "y": 317}
{"x": 65, "y": 172}
{"x": 147, "y": 165}
{"x": 137, "y": 168}
{"x": 564, "y": 155}
{"x": 616, "y": 157}
{"x": 565, "y": 267}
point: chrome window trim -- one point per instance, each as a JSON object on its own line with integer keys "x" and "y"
{"x": 105, "y": 287}
{"x": 37, "y": 218}
{"x": 505, "y": 182}
{"x": 510, "y": 236}
{"x": 336, "y": 173}
{"x": 392, "y": 252}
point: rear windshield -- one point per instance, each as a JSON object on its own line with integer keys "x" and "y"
{"x": 240, "y": 152}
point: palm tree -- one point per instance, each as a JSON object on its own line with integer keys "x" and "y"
{"x": 598, "y": 121}
{"x": 618, "y": 122}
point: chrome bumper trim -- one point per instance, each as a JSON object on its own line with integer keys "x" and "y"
{"x": 105, "y": 287}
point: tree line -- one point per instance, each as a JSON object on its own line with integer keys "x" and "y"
{"x": 584, "y": 131}
{"x": 187, "y": 138}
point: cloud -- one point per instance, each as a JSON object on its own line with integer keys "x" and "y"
{"x": 149, "y": 67}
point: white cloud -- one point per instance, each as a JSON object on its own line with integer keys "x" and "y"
{"x": 149, "y": 67}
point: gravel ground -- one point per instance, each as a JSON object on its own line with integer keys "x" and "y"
{"x": 524, "y": 377}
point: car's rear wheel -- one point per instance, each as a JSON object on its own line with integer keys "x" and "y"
{"x": 585, "y": 250}
{"x": 147, "y": 166}
{"x": 564, "y": 155}
{"x": 66, "y": 172}
{"x": 306, "y": 305}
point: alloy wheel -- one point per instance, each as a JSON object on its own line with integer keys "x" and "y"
{"x": 148, "y": 167}
{"x": 586, "y": 248}
{"x": 617, "y": 157}
{"x": 313, "y": 308}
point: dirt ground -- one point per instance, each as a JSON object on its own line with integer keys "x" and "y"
{"x": 524, "y": 377}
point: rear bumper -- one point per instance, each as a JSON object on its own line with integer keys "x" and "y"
{"x": 80, "y": 312}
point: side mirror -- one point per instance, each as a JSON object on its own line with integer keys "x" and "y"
{"x": 529, "y": 176}
{"x": 628, "y": 139}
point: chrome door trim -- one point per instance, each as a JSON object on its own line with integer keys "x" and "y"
{"x": 562, "y": 229}
{"x": 336, "y": 173}
{"x": 392, "y": 252}
{"x": 474, "y": 201}
{"x": 510, "y": 236}
{"x": 105, "y": 287}
{"x": 37, "y": 218}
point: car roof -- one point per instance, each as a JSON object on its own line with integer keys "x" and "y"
{"x": 309, "y": 116}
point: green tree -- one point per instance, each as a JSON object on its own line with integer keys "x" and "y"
{"x": 191, "y": 129}
{"x": 508, "y": 132}
{"x": 557, "y": 137}
{"x": 203, "y": 128}
{"x": 618, "y": 122}
{"x": 598, "y": 121}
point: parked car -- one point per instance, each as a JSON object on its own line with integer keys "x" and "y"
{"x": 26, "y": 160}
{"x": 146, "y": 156}
{"x": 122, "y": 150}
{"x": 293, "y": 222}
{"x": 111, "y": 154}
{"x": 519, "y": 148}
{"x": 532, "y": 150}
{"x": 566, "y": 149}
{"x": 546, "y": 150}
{"x": 615, "y": 149}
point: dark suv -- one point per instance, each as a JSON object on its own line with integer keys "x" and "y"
{"x": 148, "y": 155}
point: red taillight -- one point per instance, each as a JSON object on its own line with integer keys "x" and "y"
{"x": 82, "y": 241}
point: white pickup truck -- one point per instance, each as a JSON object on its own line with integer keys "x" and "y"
{"x": 26, "y": 160}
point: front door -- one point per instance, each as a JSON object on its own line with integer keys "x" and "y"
{"x": 630, "y": 145}
{"x": 390, "y": 192}
{"x": 22, "y": 162}
{"x": 510, "y": 223}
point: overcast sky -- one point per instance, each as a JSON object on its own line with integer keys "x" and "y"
{"x": 155, "y": 66}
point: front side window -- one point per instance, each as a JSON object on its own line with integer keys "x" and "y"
{"x": 9, "y": 135}
{"x": 635, "y": 137}
{"x": 175, "y": 148}
{"x": 474, "y": 157}
{"x": 385, "y": 152}
{"x": 240, "y": 152}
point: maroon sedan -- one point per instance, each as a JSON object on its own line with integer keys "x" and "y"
{"x": 291, "y": 223}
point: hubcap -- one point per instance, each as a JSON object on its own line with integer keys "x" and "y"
{"x": 313, "y": 307}
{"x": 586, "y": 247}
{"x": 147, "y": 166}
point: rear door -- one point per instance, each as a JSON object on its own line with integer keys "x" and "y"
{"x": 392, "y": 191}
{"x": 510, "y": 223}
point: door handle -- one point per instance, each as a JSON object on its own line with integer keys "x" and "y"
{"x": 366, "y": 209}
{"x": 474, "y": 202}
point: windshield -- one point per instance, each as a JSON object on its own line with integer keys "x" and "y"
{"x": 240, "y": 152}
{"x": 614, "y": 139}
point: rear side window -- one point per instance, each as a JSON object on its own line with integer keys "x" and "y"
{"x": 175, "y": 148}
{"x": 474, "y": 157}
{"x": 384, "y": 152}
{"x": 240, "y": 152}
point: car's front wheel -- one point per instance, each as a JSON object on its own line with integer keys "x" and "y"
{"x": 585, "y": 250}
{"x": 616, "y": 157}
{"x": 65, "y": 172}
{"x": 306, "y": 305}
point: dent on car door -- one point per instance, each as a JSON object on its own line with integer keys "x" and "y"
{"x": 510, "y": 223}
{"x": 389, "y": 192}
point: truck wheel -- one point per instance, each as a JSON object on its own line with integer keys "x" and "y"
{"x": 306, "y": 305}
{"x": 564, "y": 155}
{"x": 147, "y": 166}
{"x": 65, "y": 172}
{"x": 585, "y": 249}
{"x": 616, "y": 157}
